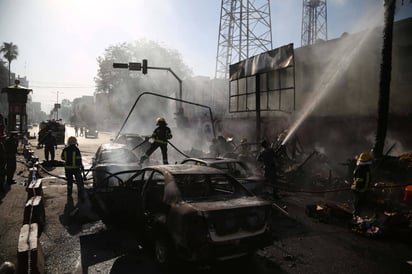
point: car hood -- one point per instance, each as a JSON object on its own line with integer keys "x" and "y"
{"x": 244, "y": 202}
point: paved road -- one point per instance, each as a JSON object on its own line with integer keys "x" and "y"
{"x": 301, "y": 244}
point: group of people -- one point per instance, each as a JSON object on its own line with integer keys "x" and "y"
{"x": 8, "y": 154}
{"x": 77, "y": 129}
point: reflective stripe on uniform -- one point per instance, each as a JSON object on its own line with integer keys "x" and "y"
{"x": 74, "y": 157}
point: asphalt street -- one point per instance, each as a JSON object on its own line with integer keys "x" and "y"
{"x": 81, "y": 244}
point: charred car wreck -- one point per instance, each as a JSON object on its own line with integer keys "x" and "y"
{"x": 190, "y": 212}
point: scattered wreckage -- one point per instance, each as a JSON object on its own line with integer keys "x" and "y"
{"x": 251, "y": 179}
{"x": 190, "y": 212}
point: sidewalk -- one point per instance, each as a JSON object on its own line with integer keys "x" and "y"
{"x": 12, "y": 204}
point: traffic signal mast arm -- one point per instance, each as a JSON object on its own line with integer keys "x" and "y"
{"x": 144, "y": 68}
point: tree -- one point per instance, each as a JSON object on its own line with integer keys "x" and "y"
{"x": 10, "y": 52}
{"x": 385, "y": 79}
{"x": 121, "y": 84}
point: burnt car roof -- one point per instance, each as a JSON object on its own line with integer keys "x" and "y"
{"x": 186, "y": 169}
{"x": 213, "y": 160}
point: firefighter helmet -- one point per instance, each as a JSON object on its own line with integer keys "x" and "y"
{"x": 364, "y": 158}
{"x": 160, "y": 120}
{"x": 282, "y": 136}
{"x": 243, "y": 140}
{"x": 72, "y": 140}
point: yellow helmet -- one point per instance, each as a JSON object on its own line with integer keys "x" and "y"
{"x": 282, "y": 136}
{"x": 243, "y": 140}
{"x": 72, "y": 140}
{"x": 364, "y": 158}
{"x": 160, "y": 120}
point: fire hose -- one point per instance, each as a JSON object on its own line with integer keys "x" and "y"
{"x": 338, "y": 189}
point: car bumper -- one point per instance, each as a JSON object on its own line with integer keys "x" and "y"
{"x": 220, "y": 251}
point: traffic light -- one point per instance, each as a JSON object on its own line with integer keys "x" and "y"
{"x": 120, "y": 65}
{"x": 135, "y": 66}
{"x": 144, "y": 68}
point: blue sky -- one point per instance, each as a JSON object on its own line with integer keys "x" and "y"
{"x": 59, "y": 40}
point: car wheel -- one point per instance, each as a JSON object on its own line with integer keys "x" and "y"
{"x": 163, "y": 251}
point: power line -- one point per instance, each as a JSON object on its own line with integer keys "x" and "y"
{"x": 62, "y": 86}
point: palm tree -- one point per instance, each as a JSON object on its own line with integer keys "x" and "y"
{"x": 10, "y": 52}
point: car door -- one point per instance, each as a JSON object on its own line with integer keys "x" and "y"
{"x": 153, "y": 207}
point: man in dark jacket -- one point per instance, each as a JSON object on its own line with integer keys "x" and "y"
{"x": 50, "y": 144}
{"x": 267, "y": 156}
{"x": 10, "y": 146}
{"x": 160, "y": 135}
{"x": 73, "y": 166}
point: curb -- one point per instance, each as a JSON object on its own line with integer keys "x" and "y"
{"x": 30, "y": 255}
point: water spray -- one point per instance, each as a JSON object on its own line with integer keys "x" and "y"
{"x": 345, "y": 54}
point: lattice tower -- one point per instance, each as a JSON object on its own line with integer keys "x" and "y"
{"x": 314, "y": 21}
{"x": 245, "y": 30}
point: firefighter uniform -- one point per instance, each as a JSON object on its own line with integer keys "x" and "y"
{"x": 73, "y": 166}
{"x": 160, "y": 136}
{"x": 361, "y": 182}
{"x": 267, "y": 156}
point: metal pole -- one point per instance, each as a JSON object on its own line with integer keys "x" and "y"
{"x": 170, "y": 98}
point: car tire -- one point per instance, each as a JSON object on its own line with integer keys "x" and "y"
{"x": 163, "y": 251}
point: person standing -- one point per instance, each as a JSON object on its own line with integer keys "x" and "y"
{"x": 50, "y": 145}
{"x": 76, "y": 130}
{"x": 361, "y": 182}
{"x": 267, "y": 156}
{"x": 160, "y": 135}
{"x": 2, "y": 163}
{"x": 10, "y": 146}
{"x": 73, "y": 167}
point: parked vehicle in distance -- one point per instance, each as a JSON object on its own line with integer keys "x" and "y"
{"x": 91, "y": 132}
{"x": 111, "y": 158}
{"x": 252, "y": 180}
{"x": 192, "y": 212}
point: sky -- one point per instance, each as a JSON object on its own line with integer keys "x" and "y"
{"x": 60, "y": 40}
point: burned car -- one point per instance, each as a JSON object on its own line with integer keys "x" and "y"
{"x": 252, "y": 180}
{"x": 195, "y": 213}
{"x": 111, "y": 158}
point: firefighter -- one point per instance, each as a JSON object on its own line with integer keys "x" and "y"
{"x": 160, "y": 136}
{"x": 361, "y": 182}
{"x": 10, "y": 146}
{"x": 244, "y": 150}
{"x": 50, "y": 145}
{"x": 73, "y": 167}
{"x": 267, "y": 156}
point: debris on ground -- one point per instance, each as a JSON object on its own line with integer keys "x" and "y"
{"x": 327, "y": 212}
